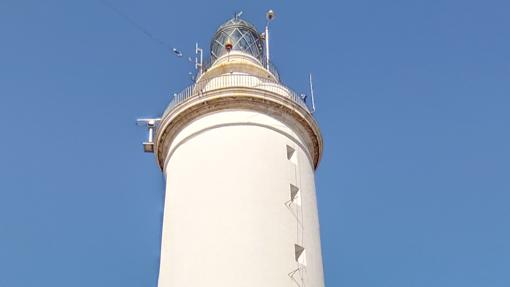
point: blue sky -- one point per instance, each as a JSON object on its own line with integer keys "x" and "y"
{"x": 413, "y": 100}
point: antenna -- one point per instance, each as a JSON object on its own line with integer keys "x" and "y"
{"x": 148, "y": 146}
{"x": 200, "y": 54}
{"x": 311, "y": 94}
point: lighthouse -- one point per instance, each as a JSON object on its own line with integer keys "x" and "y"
{"x": 238, "y": 150}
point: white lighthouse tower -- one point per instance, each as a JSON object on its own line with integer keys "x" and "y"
{"x": 238, "y": 150}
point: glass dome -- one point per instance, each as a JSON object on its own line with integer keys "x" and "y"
{"x": 241, "y": 35}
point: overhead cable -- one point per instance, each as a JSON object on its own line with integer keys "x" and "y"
{"x": 140, "y": 27}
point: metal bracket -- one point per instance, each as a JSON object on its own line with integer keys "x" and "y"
{"x": 148, "y": 146}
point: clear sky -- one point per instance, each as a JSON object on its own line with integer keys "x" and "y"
{"x": 413, "y": 100}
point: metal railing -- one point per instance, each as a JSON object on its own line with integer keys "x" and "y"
{"x": 235, "y": 81}
{"x": 272, "y": 68}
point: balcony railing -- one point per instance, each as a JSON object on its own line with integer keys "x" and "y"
{"x": 271, "y": 67}
{"x": 200, "y": 88}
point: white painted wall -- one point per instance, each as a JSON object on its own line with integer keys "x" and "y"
{"x": 226, "y": 223}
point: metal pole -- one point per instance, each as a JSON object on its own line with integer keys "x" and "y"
{"x": 311, "y": 94}
{"x": 267, "y": 44}
{"x": 151, "y": 124}
{"x": 269, "y": 17}
{"x": 150, "y": 134}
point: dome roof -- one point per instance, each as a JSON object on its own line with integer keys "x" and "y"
{"x": 237, "y": 21}
{"x": 242, "y": 36}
